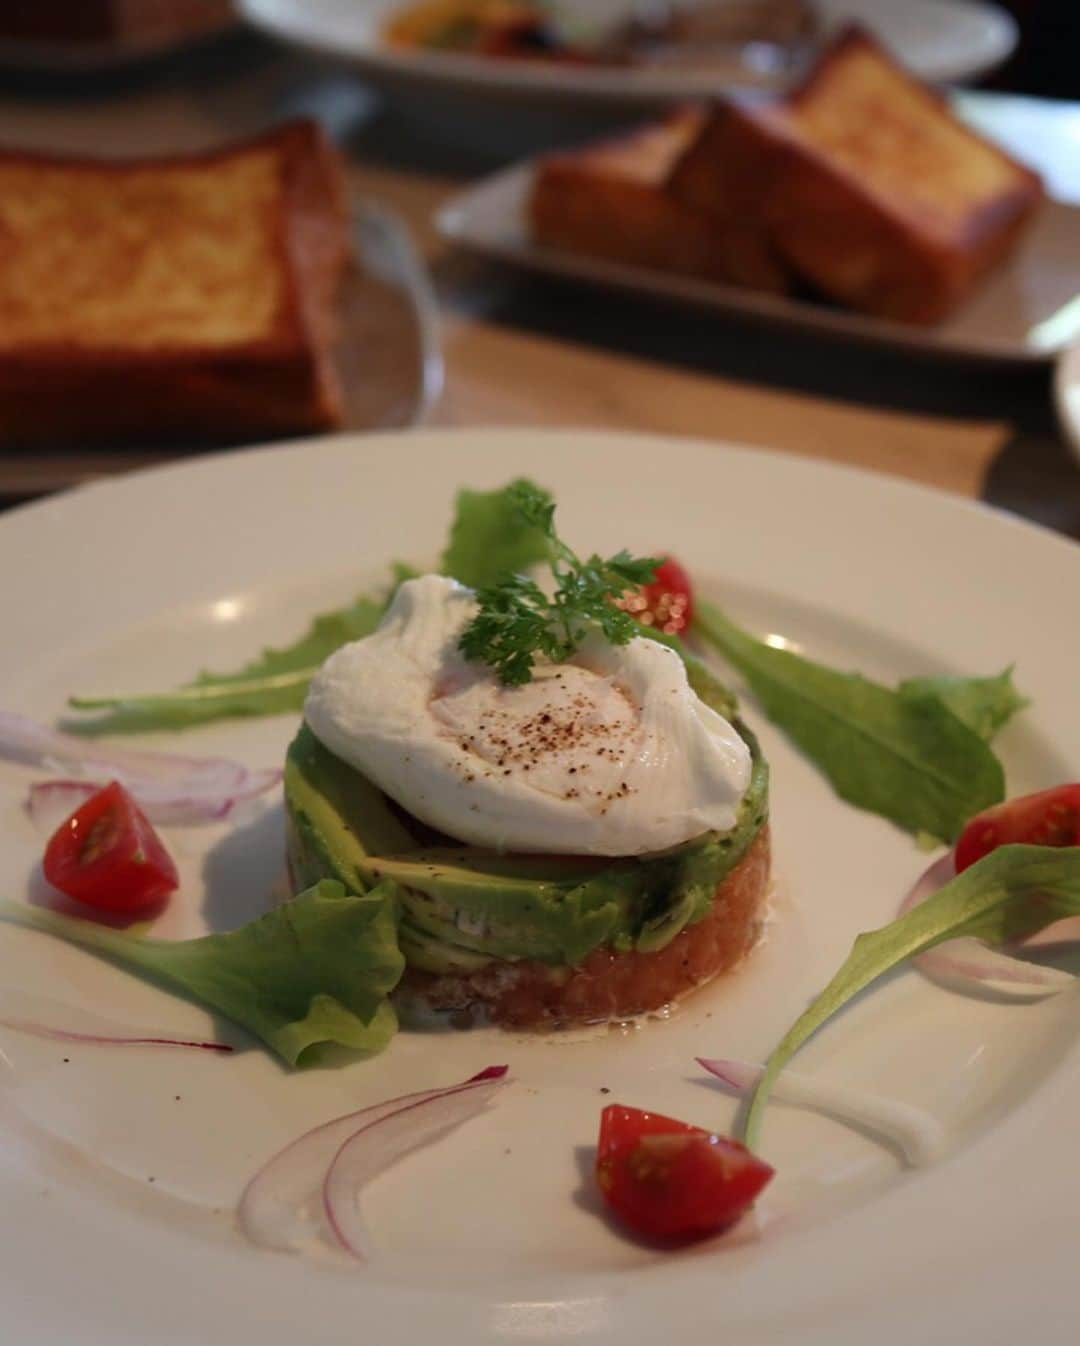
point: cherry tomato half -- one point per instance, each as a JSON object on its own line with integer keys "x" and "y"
{"x": 1049, "y": 818}
{"x": 668, "y": 1180}
{"x": 109, "y": 856}
{"x": 667, "y": 603}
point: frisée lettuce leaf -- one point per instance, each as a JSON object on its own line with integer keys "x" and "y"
{"x": 1014, "y": 891}
{"x": 316, "y": 970}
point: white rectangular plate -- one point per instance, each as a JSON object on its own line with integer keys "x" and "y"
{"x": 1026, "y": 312}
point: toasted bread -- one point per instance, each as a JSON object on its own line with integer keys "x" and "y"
{"x": 610, "y": 200}
{"x": 189, "y": 297}
{"x": 865, "y": 183}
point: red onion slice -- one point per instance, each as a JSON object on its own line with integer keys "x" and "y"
{"x": 917, "y": 1135}
{"x": 283, "y": 1204}
{"x": 49, "y": 803}
{"x": 27, "y": 1013}
{"x": 25, "y": 740}
{"x": 169, "y": 788}
{"x": 101, "y": 1040}
{"x": 966, "y": 960}
{"x": 380, "y": 1143}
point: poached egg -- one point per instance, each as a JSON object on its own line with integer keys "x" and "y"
{"x": 611, "y": 753}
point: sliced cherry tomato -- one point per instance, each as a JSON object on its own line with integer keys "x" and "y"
{"x": 668, "y": 1180}
{"x": 667, "y": 603}
{"x": 109, "y": 856}
{"x": 1049, "y": 818}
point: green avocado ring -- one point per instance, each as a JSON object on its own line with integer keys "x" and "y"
{"x": 461, "y": 908}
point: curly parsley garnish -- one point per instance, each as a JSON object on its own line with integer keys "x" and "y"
{"x": 517, "y": 621}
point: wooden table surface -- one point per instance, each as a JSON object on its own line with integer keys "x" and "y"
{"x": 523, "y": 351}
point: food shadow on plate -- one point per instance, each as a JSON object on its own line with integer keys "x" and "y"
{"x": 587, "y": 1193}
{"x": 244, "y": 874}
{"x": 877, "y": 1136}
{"x": 1058, "y": 946}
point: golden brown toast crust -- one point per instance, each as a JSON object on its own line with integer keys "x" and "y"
{"x": 611, "y": 201}
{"x": 850, "y": 105}
{"x": 188, "y": 297}
{"x": 865, "y": 182}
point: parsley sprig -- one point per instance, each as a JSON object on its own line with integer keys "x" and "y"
{"x": 517, "y": 621}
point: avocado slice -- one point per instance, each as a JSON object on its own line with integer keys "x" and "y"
{"x": 462, "y": 907}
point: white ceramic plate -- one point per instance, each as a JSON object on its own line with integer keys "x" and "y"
{"x": 493, "y": 1235}
{"x": 1024, "y": 313}
{"x": 937, "y": 39}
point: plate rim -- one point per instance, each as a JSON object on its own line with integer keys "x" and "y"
{"x": 479, "y": 76}
{"x": 211, "y": 460}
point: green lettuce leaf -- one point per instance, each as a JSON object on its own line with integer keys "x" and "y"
{"x": 905, "y": 755}
{"x": 984, "y": 704}
{"x": 315, "y": 970}
{"x": 272, "y": 684}
{"x": 489, "y": 539}
{"x": 1012, "y": 892}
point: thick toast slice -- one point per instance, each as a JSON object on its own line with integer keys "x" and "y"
{"x": 611, "y": 200}
{"x": 182, "y": 298}
{"x": 865, "y": 183}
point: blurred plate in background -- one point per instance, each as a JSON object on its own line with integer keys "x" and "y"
{"x": 939, "y": 40}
